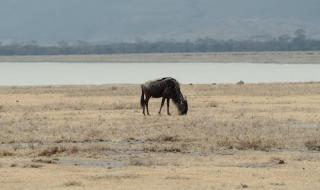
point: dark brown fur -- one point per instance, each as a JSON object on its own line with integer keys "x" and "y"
{"x": 166, "y": 88}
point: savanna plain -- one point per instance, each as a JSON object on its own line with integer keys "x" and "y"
{"x": 251, "y": 136}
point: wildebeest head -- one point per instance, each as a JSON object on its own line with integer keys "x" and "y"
{"x": 183, "y": 107}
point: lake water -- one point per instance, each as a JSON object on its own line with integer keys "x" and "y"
{"x": 111, "y": 73}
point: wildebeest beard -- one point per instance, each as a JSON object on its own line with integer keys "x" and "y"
{"x": 182, "y": 104}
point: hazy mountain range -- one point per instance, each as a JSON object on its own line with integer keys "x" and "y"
{"x": 49, "y": 21}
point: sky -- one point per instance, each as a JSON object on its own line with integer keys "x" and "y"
{"x": 48, "y": 21}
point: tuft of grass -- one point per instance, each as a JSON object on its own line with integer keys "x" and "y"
{"x": 246, "y": 143}
{"x": 177, "y": 177}
{"x": 141, "y": 162}
{"x": 53, "y": 161}
{"x": 313, "y": 144}
{"x": 5, "y": 153}
{"x": 116, "y": 177}
{"x": 123, "y": 106}
{"x": 213, "y": 105}
{"x": 162, "y": 148}
{"x": 225, "y": 143}
{"x": 72, "y": 183}
{"x": 73, "y": 150}
{"x": 13, "y": 165}
{"x": 256, "y": 144}
{"x": 52, "y": 151}
{"x": 164, "y": 138}
{"x": 32, "y": 166}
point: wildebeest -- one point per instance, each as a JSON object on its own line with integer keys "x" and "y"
{"x": 167, "y": 88}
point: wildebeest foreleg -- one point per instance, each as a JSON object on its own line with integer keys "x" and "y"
{"x": 143, "y": 110}
{"x": 168, "y": 102}
{"x": 162, "y": 103}
{"x": 142, "y": 101}
{"x": 147, "y": 104}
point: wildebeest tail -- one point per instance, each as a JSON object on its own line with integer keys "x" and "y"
{"x": 142, "y": 98}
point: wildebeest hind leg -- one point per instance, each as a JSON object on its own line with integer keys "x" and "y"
{"x": 144, "y": 106}
{"x": 168, "y": 102}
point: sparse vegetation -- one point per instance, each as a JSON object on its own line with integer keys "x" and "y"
{"x": 45, "y": 161}
{"x": 4, "y": 153}
{"x": 253, "y": 117}
{"x": 72, "y": 132}
{"x": 313, "y": 144}
{"x": 72, "y": 183}
{"x": 52, "y": 151}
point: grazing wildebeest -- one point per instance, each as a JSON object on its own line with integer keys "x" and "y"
{"x": 167, "y": 88}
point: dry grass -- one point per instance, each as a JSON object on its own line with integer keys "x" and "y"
{"x": 52, "y": 151}
{"x": 72, "y": 183}
{"x": 229, "y": 128}
{"x": 4, "y": 153}
{"x": 56, "y": 120}
{"x": 313, "y": 144}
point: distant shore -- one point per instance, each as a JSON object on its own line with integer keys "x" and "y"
{"x": 300, "y": 57}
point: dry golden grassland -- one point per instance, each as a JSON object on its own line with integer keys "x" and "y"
{"x": 254, "y": 136}
{"x": 225, "y": 57}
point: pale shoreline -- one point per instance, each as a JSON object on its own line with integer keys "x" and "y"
{"x": 297, "y": 57}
